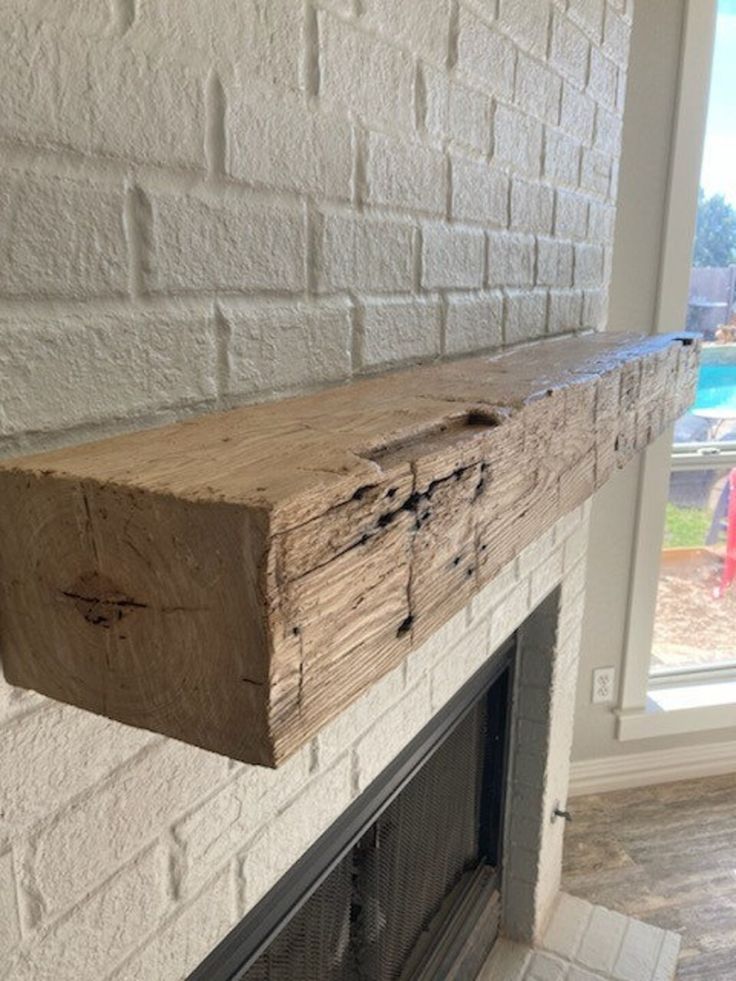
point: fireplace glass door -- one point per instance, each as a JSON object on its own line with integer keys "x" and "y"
{"x": 416, "y": 895}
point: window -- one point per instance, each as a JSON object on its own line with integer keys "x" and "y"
{"x": 695, "y": 618}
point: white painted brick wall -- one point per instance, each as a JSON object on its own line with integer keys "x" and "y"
{"x": 210, "y": 203}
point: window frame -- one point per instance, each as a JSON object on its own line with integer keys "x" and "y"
{"x": 636, "y": 714}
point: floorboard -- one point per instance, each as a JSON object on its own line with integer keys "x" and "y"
{"x": 667, "y": 855}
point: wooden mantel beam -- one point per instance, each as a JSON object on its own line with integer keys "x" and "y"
{"x": 236, "y": 580}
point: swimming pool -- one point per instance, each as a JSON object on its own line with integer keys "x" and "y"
{"x": 717, "y": 380}
{"x": 716, "y": 387}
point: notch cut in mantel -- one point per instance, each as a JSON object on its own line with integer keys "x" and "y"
{"x": 236, "y": 580}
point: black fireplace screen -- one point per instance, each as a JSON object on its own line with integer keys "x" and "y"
{"x": 366, "y": 918}
{"x": 415, "y": 895}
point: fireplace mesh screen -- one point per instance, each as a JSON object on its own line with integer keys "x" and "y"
{"x": 366, "y": 918}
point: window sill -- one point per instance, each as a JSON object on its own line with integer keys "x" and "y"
{"x": 680, "y": 709}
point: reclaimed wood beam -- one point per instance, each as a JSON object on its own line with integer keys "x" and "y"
{"x": 236, "y": 580}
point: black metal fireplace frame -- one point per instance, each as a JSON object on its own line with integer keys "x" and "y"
{"x": 236, "y": 953}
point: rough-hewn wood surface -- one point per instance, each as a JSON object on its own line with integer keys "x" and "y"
{"x": 236, "y": 580}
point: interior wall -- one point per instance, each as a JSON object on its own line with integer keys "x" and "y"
{"x": 210, "y": 203}
{"x": 640, "y": 241}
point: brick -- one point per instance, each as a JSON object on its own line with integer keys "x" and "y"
{"x": 144, "y": 109}
{"x": 9, "y": 922}
{"x": 517, "y": 141}
{"x": 184, "y": 941}
{"x": 313, "y": 149}
{"x": 405, "y": 175}
{"x": 450, "y": 673}
{"x": 491, "y": 595}
{"x": 577, "y": 114}
{"x": 61, "y": 238}
{"x": 544, "y": 967}
{"x": 545, "y": 577}
{"x": 508, "y": 615}
{"x": 538, "y": 90}
{"x": 639, "y": 951}
{"x": 561, "y": 158}
{"x": 565, "y": 311}
{"x": 578, "y": 974}
{"x": 452, "y": 257}
{"x": 532, "y": 207}
{"x": 290, "y": 833}
{"x": 536, "y": 552}
{"x": 262, "y": 39}
{"x": 667, "y": 961}
{"x": 422, "y": 26}
{"x": 364, "y": 254}
{"x": 222, "y": 827}
{"x": 103, "y": 97}
{"x": 434, "y": 89}
{"x": 526, "y": 22}
{"x": 282, "y": 346}
{"x": 89, "y": 17}
{"x": 484, "y": 55}
{"x": 392, "y": 732}
{"x": 39, "y": 105}
{"x": 338, "y": 736}
{"x": 595, "y": 172}
{"x": 474, "y": 322}
{"x": 526, "y": 315}
{"x": 400, "y": 330}
{"x": 100, "y": 931}
{"x": 588, "y": 265}
{"x": 616, "y": 37}
{"x": 62, "y": 370}
{"x": 569, "y": 50}
{"x": 603, "y": 80}
{"x": 601, "y": 220}
{"x": 65, "y": 751}
{"x": 480, "y": 192}
{"x": 508, "y": 960}
{"x": 510, "y": 259}
{"x": 237, "y": 244}
{"x": 589, "y": 15}
{"x": 567, "y": 926}
{"x": 554, "y": 262}
{"x": 518, "y": 899}
{"x": 371, "y": 77}
{"x": 608, "y": 128}
{"x": 469, "y": 118}
{"x": 571, "y": 216}
{"x": 420, "y": 661}
{"x": 600, "y": 944}
{"x": 84, "y": 843}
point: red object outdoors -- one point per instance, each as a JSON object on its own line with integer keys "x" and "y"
{"x": 729, "y": 565}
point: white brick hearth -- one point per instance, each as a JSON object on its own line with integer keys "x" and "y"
{"x": 587, "y": 943}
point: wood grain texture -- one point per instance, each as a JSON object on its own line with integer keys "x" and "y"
{"x": 235, "y": 581}
{"x": 664, "y": 854}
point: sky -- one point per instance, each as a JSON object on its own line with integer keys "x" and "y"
{"x": 718, "y": 175}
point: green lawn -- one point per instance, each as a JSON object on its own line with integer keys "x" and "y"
{"x": 685, "y": 527}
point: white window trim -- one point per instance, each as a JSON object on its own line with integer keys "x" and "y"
{"x": 637, "y": 715}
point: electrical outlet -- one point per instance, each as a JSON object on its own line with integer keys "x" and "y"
{"x": 603, "y": 684}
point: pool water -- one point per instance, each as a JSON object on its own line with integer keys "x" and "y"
{"x": 716, "y": 387}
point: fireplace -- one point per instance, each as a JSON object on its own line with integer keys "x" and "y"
{"x": 406, "y": 884}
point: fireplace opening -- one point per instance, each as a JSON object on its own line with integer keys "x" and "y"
{"x": 406, "y": 885}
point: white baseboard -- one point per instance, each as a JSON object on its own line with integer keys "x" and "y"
{"x": 653, "y": 766}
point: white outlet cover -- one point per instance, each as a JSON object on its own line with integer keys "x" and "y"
{"x": 604, "y": 681}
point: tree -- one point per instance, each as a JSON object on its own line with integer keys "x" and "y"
{"x": 715, "y": 231}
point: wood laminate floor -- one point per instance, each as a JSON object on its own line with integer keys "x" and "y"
{"x": 667, "y": 855}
